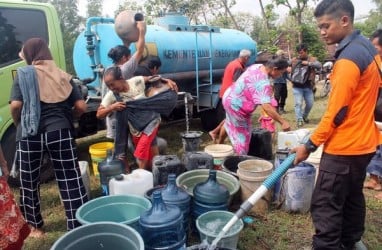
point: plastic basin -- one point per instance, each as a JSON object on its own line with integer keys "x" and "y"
{"x": 101, "y": 235}
{"x": 125, "y": 209}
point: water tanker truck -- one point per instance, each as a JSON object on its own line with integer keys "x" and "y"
{"x": 192, "y": 55}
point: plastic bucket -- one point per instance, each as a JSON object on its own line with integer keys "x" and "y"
{"x": 211, "y": 223}
{"x": 125, "y": 209}
{"x": 297, "y": 188}
{"x": 189, "y": 179}
{"x": 98, "y": 153}
{"x": 191, "y": 140}
{"x": 84, "y": 168}
{"x": 101, "y": 235}
{"x": 230, "y": 163}
{"x": 219, "y": 152}
{"x": 248, "y": 185}
{"x": 255, "y": 168}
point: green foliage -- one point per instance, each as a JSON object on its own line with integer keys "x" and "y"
{"x": 94, "y": 8}
{"x": 311, "y": 38}
{"x": 129, "y": 5}
{"x": 70, "y": 22}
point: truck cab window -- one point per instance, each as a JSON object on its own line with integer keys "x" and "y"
{"x": 16, "y": 26}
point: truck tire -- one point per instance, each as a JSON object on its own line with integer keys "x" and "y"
{"x": 212, "y": 117}
{"x": 8, "y": 144}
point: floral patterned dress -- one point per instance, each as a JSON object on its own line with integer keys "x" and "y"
{"x": 252, "y": 89}
{"x": 13, "y": 228}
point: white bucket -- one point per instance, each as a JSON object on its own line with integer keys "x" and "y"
{"x": 136, "y": 183}
{"x": 219, "y": 152}
{"x": 248, "y": 185}
{"x": 84, "y": 168}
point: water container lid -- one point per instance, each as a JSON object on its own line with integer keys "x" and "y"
{"x": 119, "y": 177}
{"x": 211, "y": 191}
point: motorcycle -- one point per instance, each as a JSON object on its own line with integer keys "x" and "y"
{"x": 326, "y": 70}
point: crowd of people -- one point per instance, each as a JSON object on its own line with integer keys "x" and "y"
{"x": 44, "y": 100}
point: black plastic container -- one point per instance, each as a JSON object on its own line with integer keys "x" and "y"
{"x": 261, "y": 144}
{"x": 198, "y": 160}
{"x": 163, "y": 165}
{"x": 230, "y": 163}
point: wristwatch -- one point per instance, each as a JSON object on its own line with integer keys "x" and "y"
{"x": 310, "y": 147}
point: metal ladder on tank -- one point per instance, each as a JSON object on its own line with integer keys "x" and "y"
{"x": 203, "y": 90}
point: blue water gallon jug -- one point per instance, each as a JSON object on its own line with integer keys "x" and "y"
{"x": 174, "y": 195}
{"x": 163, "y": 165}
{"x": 209, "y": 195}
{"x": 108, "y": 169}
{"x": 297, "y": 188}
{"x": 198, "y": 160}
{"x": 162, "y": 226}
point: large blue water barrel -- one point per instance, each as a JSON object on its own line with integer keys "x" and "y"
{"x": 162, "y": 226}
{"x": 172, "y": 39}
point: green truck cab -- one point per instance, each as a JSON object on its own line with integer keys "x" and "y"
{"x": 20, "y": 21}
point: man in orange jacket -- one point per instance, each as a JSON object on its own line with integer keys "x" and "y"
{"x": 347, "y": 131}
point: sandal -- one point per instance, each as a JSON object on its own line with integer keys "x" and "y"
{"x": 371, "y": 184}
{"x": 378, "y": 187}
{"x": 378, "y": 196}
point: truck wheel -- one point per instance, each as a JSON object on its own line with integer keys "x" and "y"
{"x": 212, "y": 117}
{"x": 8, "y": 144}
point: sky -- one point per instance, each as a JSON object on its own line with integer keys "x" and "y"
{"x": 362, "y": 7}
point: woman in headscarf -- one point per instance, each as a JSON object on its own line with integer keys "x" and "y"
{"x": 43, "y": 101}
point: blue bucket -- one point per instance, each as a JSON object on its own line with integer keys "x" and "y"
{"x": 125, "y": 209}
{"x": 297, "y": 188}
{"x": 100, "y": 236}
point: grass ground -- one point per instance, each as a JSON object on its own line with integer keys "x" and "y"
{"x": 277, "y": 230}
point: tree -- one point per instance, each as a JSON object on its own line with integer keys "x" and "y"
{"x": 70, "y": 22}
{"x": 296, "y": 9}
{"x": 94, "y": 7}
{"x": 129, "y": 5}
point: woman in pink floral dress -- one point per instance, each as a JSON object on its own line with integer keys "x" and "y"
{"x": 253, "y": 88}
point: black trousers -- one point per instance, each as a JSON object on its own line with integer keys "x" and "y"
{"x": 281, "y": 93}
{"x": 338, "y": 204}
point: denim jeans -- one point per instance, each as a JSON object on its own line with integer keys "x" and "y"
{"x": 300, "y": 95}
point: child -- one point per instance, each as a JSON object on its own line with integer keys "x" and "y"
{"x": 266, "y": 122}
